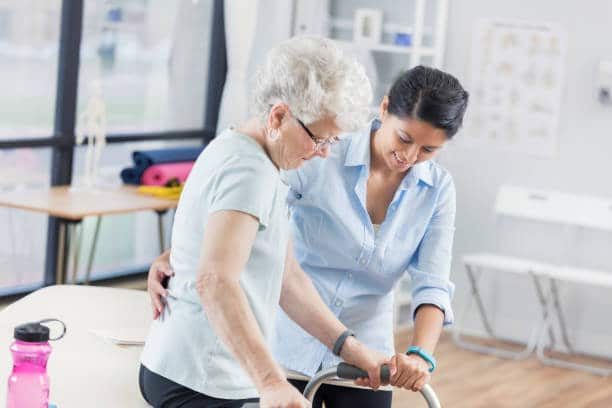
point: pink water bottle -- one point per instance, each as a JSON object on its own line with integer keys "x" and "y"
{"x": 28, "y": 384}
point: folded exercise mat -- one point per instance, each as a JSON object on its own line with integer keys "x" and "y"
{"x": 145, "y": 158}
{"x": 172, "y": 193}
{"x": 162, "y": 174}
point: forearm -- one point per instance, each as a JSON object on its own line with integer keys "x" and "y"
{"x": 427, "y": 327}
{"x": 232, "y": 319}
{"x": 164, "y": 256}
{"x": 303, "y": 304}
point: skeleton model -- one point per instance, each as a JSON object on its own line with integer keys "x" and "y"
{"x": 94, "y": 134}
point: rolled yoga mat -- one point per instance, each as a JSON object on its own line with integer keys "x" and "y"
{"x": 130, "y": 176}
{"x": 145, "y": 158}
{"x": 161, "y": 174}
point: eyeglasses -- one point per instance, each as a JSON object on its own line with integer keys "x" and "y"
{"x": 319, "y": 144}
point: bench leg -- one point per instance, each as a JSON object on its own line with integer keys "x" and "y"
{"x": 476, "y": 295}
{"x": 560, "y": 318}
{"x": 496, "y": 351}
{"x": 544, "y": 308}
{"x": 557, "y": 362}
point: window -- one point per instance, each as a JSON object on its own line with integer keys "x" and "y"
{"x": 150, "y": 59}
{"x": 24, "y": 233}
{"x": 29, "y": 39}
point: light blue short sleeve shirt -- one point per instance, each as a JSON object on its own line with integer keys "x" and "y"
{"x": 233, "y": 173}
{"x": 355, "y": 268}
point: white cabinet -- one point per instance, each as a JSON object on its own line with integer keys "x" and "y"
{"x": 420, "y": 24}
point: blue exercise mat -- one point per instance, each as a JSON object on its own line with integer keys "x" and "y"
{"x": 130, "y": 176}
{"x": 145, "y": 158}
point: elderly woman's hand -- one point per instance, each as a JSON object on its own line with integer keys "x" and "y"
{"x": 411, "y": 372}
{"x": 159, "y": 272}
{"x": 281, "y": 395}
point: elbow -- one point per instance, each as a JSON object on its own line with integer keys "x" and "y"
{"x": 287, "y": 294}
{"x": 292, "y": 290}
{"x": 210, "y": 286}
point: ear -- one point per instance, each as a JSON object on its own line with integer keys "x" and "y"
{"x": 277, "y": 114}
{"x": 383, "y": 107}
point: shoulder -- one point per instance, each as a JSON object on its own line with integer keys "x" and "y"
{"x": 441, "y": 178}
{"x": 233, "y": 152}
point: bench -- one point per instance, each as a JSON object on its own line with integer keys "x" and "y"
{"x": 558, "y": 208}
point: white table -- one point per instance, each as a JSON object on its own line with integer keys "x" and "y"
{"x": 84, "y": 369}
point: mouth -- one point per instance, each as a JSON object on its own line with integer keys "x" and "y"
{"x": 401, "y": 162}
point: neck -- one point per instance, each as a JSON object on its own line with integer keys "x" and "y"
{"x": 378, "y": 165}
{"x": 256, "y": 130}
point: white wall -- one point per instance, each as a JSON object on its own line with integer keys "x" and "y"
{"x": 583, "y": 166}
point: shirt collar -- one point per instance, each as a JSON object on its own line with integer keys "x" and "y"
{"x": 419, "y": 172}
{"x": 358, "y": 154}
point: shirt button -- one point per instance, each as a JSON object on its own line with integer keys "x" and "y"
{"x": 363, "y": 262}
{"x": 338, "y": 303}
{"x": 298, "y": 196}
{"x": 350, "y": 275}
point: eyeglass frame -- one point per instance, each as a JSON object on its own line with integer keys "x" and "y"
{"x": 319, "y": 144}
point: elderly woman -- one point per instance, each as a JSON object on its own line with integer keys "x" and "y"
{"x": 230, "y": 241}
{"x": 384, "y": 208}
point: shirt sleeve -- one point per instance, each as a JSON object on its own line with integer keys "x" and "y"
{"x": 245, "y": 184}
{"x": 429, "y": 268}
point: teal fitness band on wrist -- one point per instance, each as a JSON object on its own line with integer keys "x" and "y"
{"x": 424, "y": 355}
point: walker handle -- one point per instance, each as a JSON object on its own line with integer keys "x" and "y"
{"x": 350, "y": 372}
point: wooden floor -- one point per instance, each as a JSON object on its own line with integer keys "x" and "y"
{"x": 467, "y": 379}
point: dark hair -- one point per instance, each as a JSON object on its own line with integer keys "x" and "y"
{"x": 430, "y": 95}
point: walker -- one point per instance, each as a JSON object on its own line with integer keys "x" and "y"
{"x": 344, "y": 371}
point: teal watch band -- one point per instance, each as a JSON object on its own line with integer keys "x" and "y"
{"x": 424, "y": 355}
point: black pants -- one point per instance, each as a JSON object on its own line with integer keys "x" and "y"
{"x": 345, "y": 397}
{"x": 163, "y": 393}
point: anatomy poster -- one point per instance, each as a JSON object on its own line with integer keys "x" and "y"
{"x": 516, "y": 87}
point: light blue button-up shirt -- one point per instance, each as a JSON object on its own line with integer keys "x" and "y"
{"x": 353, "y": 267}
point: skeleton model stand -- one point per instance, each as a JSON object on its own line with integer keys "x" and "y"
{"x": 93, "y": 120}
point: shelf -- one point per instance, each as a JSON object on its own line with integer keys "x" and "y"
{"x": 388, "y": 48}
{"x": 388, "y": 28}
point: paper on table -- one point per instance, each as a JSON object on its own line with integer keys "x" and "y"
{"x": 127, "y": 336}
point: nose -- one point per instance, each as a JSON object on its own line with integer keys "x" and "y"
{"x": 323, "y": 151}
{"x": 412, "y": 153}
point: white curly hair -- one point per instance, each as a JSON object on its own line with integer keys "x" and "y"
{"x": 316, "y": 79}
